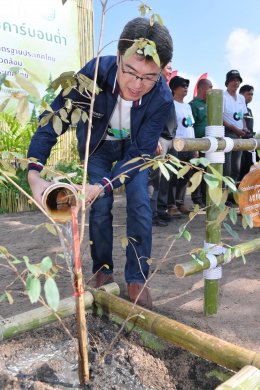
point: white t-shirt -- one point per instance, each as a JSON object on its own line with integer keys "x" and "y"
{"x": 119, "y": 126}
{"x": 234, "y": 110}
{"x": 185, "y": 120}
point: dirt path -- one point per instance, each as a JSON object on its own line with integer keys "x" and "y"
{"x": 238, "y": 317}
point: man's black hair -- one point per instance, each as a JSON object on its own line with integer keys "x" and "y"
{"x": 246, "y": 88}
{"x": 141, "y": 28}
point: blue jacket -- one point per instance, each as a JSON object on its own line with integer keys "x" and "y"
{"x": 148, "y": 118}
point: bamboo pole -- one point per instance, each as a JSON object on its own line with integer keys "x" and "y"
{"x": 192, "y": 267}
{"x": 201, "y": 344}
{"x": 34, "y": 319}
{"x": 80, "y": 305}
{"x": 203, "y": 144}
{"x": 248, "y": 378}
{"x": 213, "y": 230}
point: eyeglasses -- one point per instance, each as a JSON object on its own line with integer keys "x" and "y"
{"x": 147, "y": 81}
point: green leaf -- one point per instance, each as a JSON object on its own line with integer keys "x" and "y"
{"x": 232, "y": 215}
{"x": 215, "y": 195}
{"x": 174, "y": 160}
{"x": 16, "y": 261}
{"x": 33, "y": 288}
{"x": 181, "y": 231}
{"x": 52, "y": 294}
{"x": 149, "y": 261}
{"x": 164, "y": 170}
{"x": 231, "y": 231}
{"x": 66, "y": 91}
{"x": 4, "y": 251}
{"x": 194, "y": 161}
{"x": 204, "y": 161}
{"x": 195, "y": 182}
{"x": 122, "y": 178}
{"x": 10, "y": 84}
{"x": 75, "y": 116}
{"x": 45, "y": 119}
{"x": 132, "y": 161}
{"x": 46, "y": 264}
{"x": 211, "y": 180}
{"x": 171, "y": 168}
{"x": 249, "y": 220}
{"x": 215, "y": 172}
{"x": 84, "y": 116}
{"x": 27, "y": 86}
{"x": 187, "y": 235}
{"x": 51, "y": 228}
{"x": 57, "y": 124}
{"x": 31, "y": 268}
{"x": 22, "y": 110}
{"x": 230, "y": 183}
{"x": 160, "y": 21}
{"x": 4, "y": 104}
{"x": 182, "y": 172}
{"x": 3, "y": 297}
{"x": 222, "y": 215}
{"x": 9, "y": 297}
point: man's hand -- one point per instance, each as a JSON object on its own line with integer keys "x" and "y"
{"x": 92, "y": 192}
{"x": 38, "y": 185}
{"x": 241, "y": 133}
{"x": 158, "y": 149}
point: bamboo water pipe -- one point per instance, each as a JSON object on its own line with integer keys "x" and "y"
{"x": 192, "y": 267}
{"x": 58, "y": 200}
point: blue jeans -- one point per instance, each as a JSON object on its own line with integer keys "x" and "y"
{"x": 139, "y": 216}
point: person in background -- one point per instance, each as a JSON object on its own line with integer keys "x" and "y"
{"x": 199, "y": 112}
{"x": 246, "y": 159}
{"x": 130, "y": 111}
{"x": 234, "y": 122}
{"x": 158, "y": 184}
{"x": 177, "y": 187}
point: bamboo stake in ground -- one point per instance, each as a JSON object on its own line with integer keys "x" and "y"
{"x": 213, "y": 230}
{"x": 80, "y": 305}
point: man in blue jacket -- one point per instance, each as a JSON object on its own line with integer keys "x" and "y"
{"x": 129, "y": 115}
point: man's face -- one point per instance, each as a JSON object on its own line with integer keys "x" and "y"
{"x": 233, "y": 85}
{"x": 205, "y": 88}
{"x": 181, "y": 91}
{"x": 248, "y": 96}
{"x": 136, "y": 76}
{"x": 167, "y": 72}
